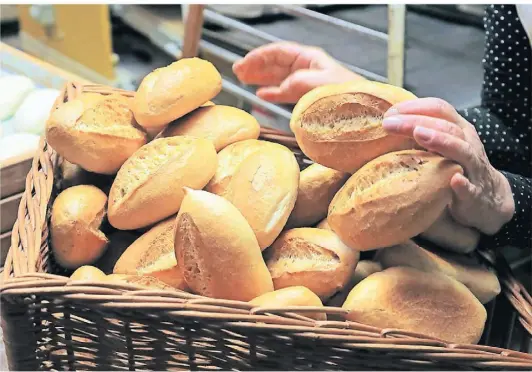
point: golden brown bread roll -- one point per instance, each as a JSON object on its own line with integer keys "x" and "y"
{"x": 263, "y": 187}
{"x": 149, "y": 186}
{"x": 364, "y": 269}
{"x": 311, "y": 258}
{"x": 223, "y": 125}
{"x": 392, "y": 199}
{"x": 77, "y": 214}
{"x": 340, "y": 126}
{"x": 88, "y": 273}
{"x": 482, "y": 282}
{"x": 229, "y": 160}
{"x": 170, "y": 92}
{"x": 97, "y": 132}
{"x": 317, "y": 187}
{"x": 153, "y": 254}
{"x": 146, "y": 281}
{"x": 432, "y": 304}
{"x": 451, "y": 235}
{"x": 291, "y": 296}
{"x": 217, "y": 249}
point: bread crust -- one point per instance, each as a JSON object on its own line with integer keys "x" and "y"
{"x": 482, "y": 282}
{"x": 317, "y": 187}
{"x": 217, "y": 250}
{"x": 97, "y": 132}
{"x": 149, "y": 186}
{"x": 312, "y": 258}
{"x": 340, "y": 125}
{"x": 392, "y": 199}
{"x": 77, "y": 214}
{"x": 168, "y": 93}
{"x": 428, "y": 303}
{"x": 223, "y": 125}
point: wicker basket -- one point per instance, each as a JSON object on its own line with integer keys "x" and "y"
{"x": 51, "y": 324}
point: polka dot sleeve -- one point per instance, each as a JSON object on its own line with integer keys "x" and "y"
{"x": 504, "y": 118}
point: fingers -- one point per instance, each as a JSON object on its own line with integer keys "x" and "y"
{"x": 294, "y": 86}
{"x": 447, "y": 145}
{"x": 462, "y": 188}
{"x": 404, "y": 125}
{"x": 430, "y": 107}
{"x": 270, "y": 64}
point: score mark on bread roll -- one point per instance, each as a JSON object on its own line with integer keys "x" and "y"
{"x": 261, "y": 180}
{"x": 291, "y": 296}
{"x": 312, "y": 258}
{"x": 96, "y": 131}
{"x": 217, "y": 250}
{"x": 340, "y": 126}
{"x": 149, "y": 186}
{"x": 392, "y": 199}
{"x": 77, "y": 214}
{"x": 170, "y": 92}
{"x": 432, "y": 304}
{"x": 223, "y": 125}
{"x": 317, "y": 187}
{"x": 481, "y": 282}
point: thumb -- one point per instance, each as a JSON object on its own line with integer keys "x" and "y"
{"x": 295, "y": 86}
{"x": 462, "y": 188}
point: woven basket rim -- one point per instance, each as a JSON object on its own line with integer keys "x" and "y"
{"x": 30, "y": 233}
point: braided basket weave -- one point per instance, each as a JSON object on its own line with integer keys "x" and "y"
{"x": 49, "y": 323}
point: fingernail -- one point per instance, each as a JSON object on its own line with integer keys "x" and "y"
{"x": 392, "y": 123}
{"x": 424, "y": 134}
{"x": 391, "y": 112}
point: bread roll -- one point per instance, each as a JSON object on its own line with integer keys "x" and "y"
{"x": 208, "y": 103}
{"x": 88, "y": 273}
{"x": 97, "y": 132}
{"x": 451, "y": 235}
{"x": 392, "y": 199}
{"x": 312, "y": 258}
{"x": 262, "y": 185}
{"x": 217, "y": 250}
{"x": 432, "y": 304}
{"x": 223, "y": 125}
{"x": 317, "y": 187}
{"x": 170, "y": 92}
{"x": 364, "y": 269}
{"x": 340, "y": 126}
{"x": 149, "y": 186}
{"x": 481, "y": 282}
{"x": 142, "y": 281}
{"x": 291, "y": 296}
{"x": 229, "y": 160}
{"x": 153, "y": 254}
{"x": 77, "y": 214}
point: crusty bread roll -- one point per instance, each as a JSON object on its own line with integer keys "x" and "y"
{"x": 340, "y": 126}
{"x": 323, "y": 225}
{"x": 149, "y": 186}
{"x": 451, "y": 235}
{"x": 229, "y": 160}
{"x": 153, "y": 254}
{"x": 364, "y": 269}
{"x": 170, "y": 92}
{"x": 482, "y": 282}
{"x": 77, "y": 214}
{"x": 88, "y": 273}
{"x": 217, "y": 249}
{"x": 97, "y": 132}
{"x": 317, "y": 187}
{"x": 392, "y": 199}
{"x": 312, "y": 258}
{"x": 291, "y": 296}
{"x": 262, "y": 185}
{"x": 223, "y": 125}
{"x": 432, "y": 304}
{"x": 146, "y": 281}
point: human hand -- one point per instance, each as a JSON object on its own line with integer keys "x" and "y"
{"x": 482, "y": 197}
{"x": 286, "y": 71}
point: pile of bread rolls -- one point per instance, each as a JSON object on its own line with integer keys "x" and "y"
{"x": 167, "y": 190}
